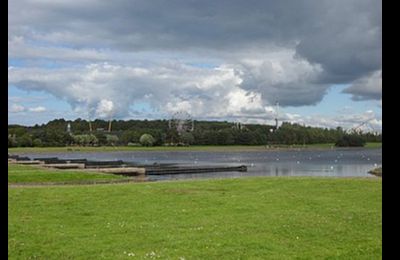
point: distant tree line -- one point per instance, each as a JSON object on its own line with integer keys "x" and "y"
{"x": 157, "y": 132}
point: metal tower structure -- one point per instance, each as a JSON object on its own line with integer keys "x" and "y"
{"x": 276, "y": 115}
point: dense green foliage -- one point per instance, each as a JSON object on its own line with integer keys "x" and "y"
{"x": 54, "y": 133}
{"x": 350, "y": 141}
{"x": 252, "y": 218}
{"x": 147, "y": 140}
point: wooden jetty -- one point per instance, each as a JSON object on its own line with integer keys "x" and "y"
{"x": 127, "y": 171}
{"x": 47, "y": 159}
{"x": 104, "y": 164}
{"x": 26, "y": 162}
{"x": 56, "y": 160}
{"x": 13, "y": 156}
{"x": 193, "y": 169}
{"x": 24, "y": 158}
{"x": 65, "y": 165}
{"x": 123, "y": 168}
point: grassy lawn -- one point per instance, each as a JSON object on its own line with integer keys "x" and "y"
{"x": 249, "y": 218}
{"x": 34, "y": 174}
{"x": 373, "y": 145}
{"x": 213, "y": 148}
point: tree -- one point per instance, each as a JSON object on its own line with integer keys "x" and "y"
{"x": 25, "y": 140}
{"x": 147, "y": 140}
{"x": 17, "y": 130}
{"x": 172, "y": 136}
{"x": 79, "y": 139}
{"x": 37, "y": 142}
{"x": 12, "y": 140}
{"x": 244, "y": 137}
{"x": 130, "y": 136}
{"x": 101, "y": 138}
{"x": 205, "y": 133}
{"x": 225, "y": 137}
{"x": 92, "y": 140}
{"x": 112, "y": 139}
{"x": 350, "y": 140}
{"x": 187, "y": 138}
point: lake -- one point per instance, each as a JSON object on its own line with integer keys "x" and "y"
{"x": 336, "y": 162}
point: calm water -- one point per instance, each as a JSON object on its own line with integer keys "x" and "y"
{"x": 347, "y": 162}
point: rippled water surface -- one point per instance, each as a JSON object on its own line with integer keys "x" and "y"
{"x": 348, "y": 162}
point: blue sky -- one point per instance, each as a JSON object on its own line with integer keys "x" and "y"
{"x": 225, "y": 60}
{"x": 334, "y": 102}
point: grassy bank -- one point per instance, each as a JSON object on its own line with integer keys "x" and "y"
{"x": 252, "y": 218}
{"x": 213, "y": 148}
{"x": 33, "y": 174}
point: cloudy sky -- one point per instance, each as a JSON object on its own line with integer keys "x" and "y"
{"x": 234, "y": 60}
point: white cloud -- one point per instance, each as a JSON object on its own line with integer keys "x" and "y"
{"x": 38, "y": 109}
{"x": 15, "y": 108}
{"x": 105, "y": 108}
{"x": 280, "y": 76}
{"x": 367, "y": 121}
{"x": 103, "y": 88}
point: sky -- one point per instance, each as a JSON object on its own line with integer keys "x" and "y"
{"x": 316, "y": 63}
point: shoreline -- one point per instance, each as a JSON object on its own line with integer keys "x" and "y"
{"x": 203, "y": 148}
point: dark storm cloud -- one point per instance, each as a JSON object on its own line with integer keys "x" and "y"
{"x": 342, "y": 37}
{"x": 368, "y": 87}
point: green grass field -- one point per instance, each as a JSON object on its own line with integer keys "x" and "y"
{"x": 213, "y": 148}
{"x": 32, "y": 174}
{"x": 247, "y": 218}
